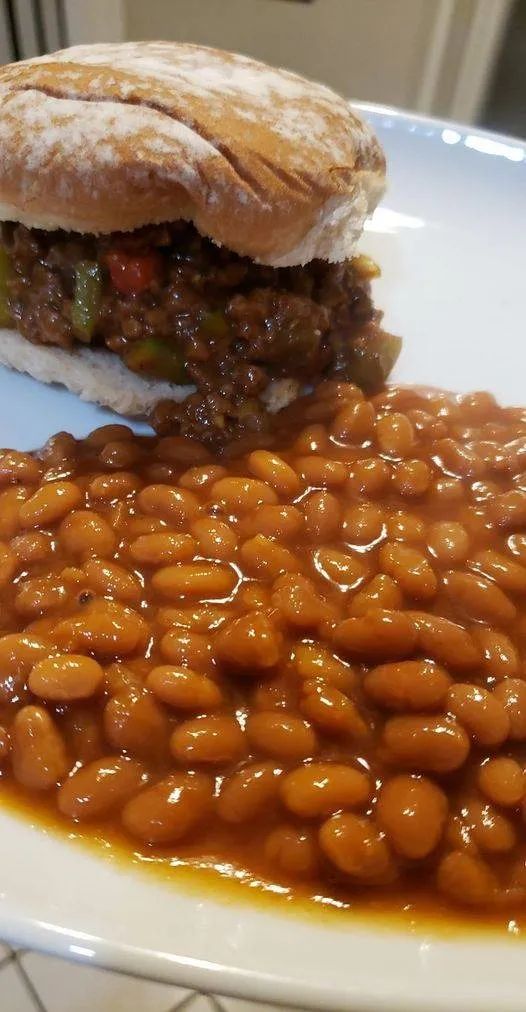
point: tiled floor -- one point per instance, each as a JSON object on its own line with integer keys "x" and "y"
{"x": 31, "y": 982}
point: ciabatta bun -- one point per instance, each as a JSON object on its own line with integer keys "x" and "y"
{"x": 106, "y": 138}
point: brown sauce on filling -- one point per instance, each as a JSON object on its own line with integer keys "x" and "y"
{"x": 175, "y": 307}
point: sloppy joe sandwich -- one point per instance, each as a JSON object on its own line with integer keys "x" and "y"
{"x": 179, "y": 233}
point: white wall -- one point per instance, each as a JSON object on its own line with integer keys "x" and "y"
{"x": 370, "y": 49}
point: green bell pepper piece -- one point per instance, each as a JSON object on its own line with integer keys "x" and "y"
{"x": 214, "y": 324}
{"x": 157, "y": 358}
{"x": 369, "y": 363}
{"x": 87, "y": 298}
{"x": 5, "y": 274}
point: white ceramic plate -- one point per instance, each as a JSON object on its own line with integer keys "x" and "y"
{"x": 451, "y": 239}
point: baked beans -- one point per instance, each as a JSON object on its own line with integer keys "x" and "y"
{"x": 293, "y": 850}
{"x": 480, "y": 713}
{"x": 65, "y": 678}
{"x": 408, "y": 685}
{"x": 356, "y": 847}
{"x": 380, "y": 593}
{"x": 214, "y": 740}
{"x": 170, "y": 809}
{"x": 307, "y": 657}
{"x": 100, "y": 787}
{"x": 322, "y": 788}
{"x": 412, "y": 811}
{"x": 248, "y": 792}
{"x": 249, "y": 642}
{"x": 502, "y": 781}
{"x": 134, "y": 723}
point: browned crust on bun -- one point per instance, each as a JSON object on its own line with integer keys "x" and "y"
{"x": 106, "y": 138}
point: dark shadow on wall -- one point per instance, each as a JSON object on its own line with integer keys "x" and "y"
{"x": 505, "y": 108}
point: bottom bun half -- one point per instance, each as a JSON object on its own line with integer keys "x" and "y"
{"x": 100, "y": 376}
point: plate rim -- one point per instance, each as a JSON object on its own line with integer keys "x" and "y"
{"x": 229, "y": 980}
{"x": 397, "y": 112}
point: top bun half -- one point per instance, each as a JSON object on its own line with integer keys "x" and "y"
{"x": 108, "y": 138}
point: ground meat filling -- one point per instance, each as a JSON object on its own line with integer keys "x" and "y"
{"x": 176, "y": 307}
